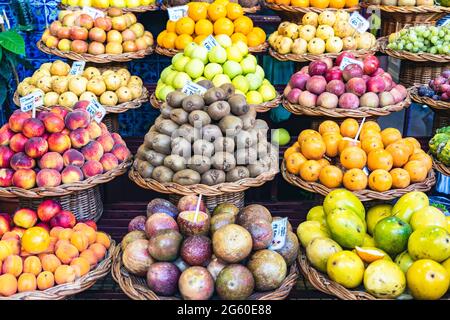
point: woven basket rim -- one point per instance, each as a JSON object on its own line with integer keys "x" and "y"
{"x": 219, "y": 189}
{"x": 136, "y": 291}
{"x": 363, "y": 195}
{"x": 439, "y": 166}
{"x": 405, "y": 9}
{"x": 65, "y": 189}
{"x": 152, "y": 7}
{"x": 171, "y": 52}
{"x": 253, "y": 9}
{"x": 433, "y": 104}
{"x": 81, "y": 284}
{"x": 301, "y": 10}
{"x": 101, "y": 58}
{"x": 346, "y": 113}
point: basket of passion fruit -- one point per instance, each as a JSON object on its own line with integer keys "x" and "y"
{"x": 398, "y": 251}
{"x": 184, "y": 252}
{"x": 374, "y": 164}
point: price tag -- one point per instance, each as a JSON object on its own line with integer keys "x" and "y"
{"x": 94, "y": 13}
{"x": 32, "y": 101}
{"x": 347, "y": 61}
{"x": 358, "y": 22}
{"x": 191, "y": 88}
{"x": 446, "y": 23}
{"x": 279, "y": 228}
{"x": 176, "y": 13}
{"x": 210, "y": 42}
{"x": 96, "y": 110}
{"x": 77, "y": 68}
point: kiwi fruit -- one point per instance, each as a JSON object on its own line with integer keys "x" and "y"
{"x": 229, "y": 90}
{"x": 187, "y": 132}
{"x": 140, "y": 154}
{"x": 175, "y": 162}
{"x": 199, "y": 118}
{"x": 187, "y": 177}
{"x": 211, "y": 132}
{"x": 179, "y": 116}
{"x": 165, "y": 110}
{"x": 249, "y": 119}
{"x": 145, "y": 169}
{"x": 203, "y": 147}
{"x": 162, "y": 174}
{"x": 223, "y": 161}
{"x": 181, "y": 147}
{"x": 262, "y": 149}
{"x": 238, "y": 173}
{"x": 244, "y": 139}
{"x": 161, "y": 143}
{"x": 261, "y": 124}
{"x": 219, "y": 109}
{"x": 225, "y": 144}
{"x": 167, "y": 127}
{"x": 205, "y": 84}
{"x": 238, "y": 104}
{"x": 246, "y": 156}
{"x": 213, "y": 177}
{"x": 199, "y": 163}
{"x": 213, "y": 95}
{"x": 149, "y": 138}
{"x": 175, "y": 98}
{"x": 230, "y": 125}
{"x": 248, "y": 3}
{"x": 258, "y": 168}
{"x": 154, "y": 158}
{"x": 194, "y": 102}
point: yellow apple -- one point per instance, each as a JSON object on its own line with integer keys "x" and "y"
{"x": 316, "y": 46}
{"x": 300, "y": 46}
{"x": 100, "y": 3}
{"x": 324, "y": 32}
{"x": 310, "y": 18}
{"x": 307, "y": 32}
{"x": 147, "y": 2}
{"x": 327, "y": 17}
{"x": 365, "y": 40}
{"x": 349, "y": 43}
{"x": 334, "y": 45}
{"x": 118, "y": 3}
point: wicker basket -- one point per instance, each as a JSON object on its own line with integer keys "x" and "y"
{"x": 236, "y": 198}
{"x": 100, "y": 58}
{"x": 442, "y": 168}
{"x": 136, "y": 287}
{"x": 433, "y": 104}
{"x": 246, "y": 10}
{"x": 363, "y": 195}
{"x": 152, "y": 7}
{"x": 64, "y": 291}
{"x": 171, "y": 52}
{"x": 411, "y": 56}
{"x": 66, "y": 189}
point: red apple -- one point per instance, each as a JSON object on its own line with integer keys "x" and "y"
{"x": 48, "y": 209}
{"x": 371, "y": 64}
{"x": 376, "y": 84}
{"x": 64, "y": 219}
{"x": 334, "y": 73}
{"x": 339, "y": 58}
{"x": 317, "y": 68}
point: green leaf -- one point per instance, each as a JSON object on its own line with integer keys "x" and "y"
{"x": 12, "y": 41}
{"x": 3, "y": 92}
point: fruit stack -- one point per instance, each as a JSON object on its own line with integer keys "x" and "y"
{"x": 354, "y": 247}
{"x": 440, "y": 149}
{"x": 128, "y": 5}
{"x": 380, "y": 160}
{"x": 197, "y": 254}
{"x": 249, "y": 6}
{"x": 48, "y": 247}
{"x": 303, "y": 6}
{"x": 225, "y": 21}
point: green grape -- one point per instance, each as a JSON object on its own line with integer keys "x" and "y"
{"x": 409, "y": 46}
{"x": 433, "y": 50}
{"x": 434, "y": 39}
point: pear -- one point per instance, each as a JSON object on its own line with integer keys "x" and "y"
{"x": 299, "y": 46}
{"x": 285, "y": 45}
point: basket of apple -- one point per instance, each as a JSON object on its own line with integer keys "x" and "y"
{"x": 248, "y": 6}
{"x": 104, "y": 5}
{"x": 318, "y": 36}
{"x": 360, "y": 89}
{"x": 184, "y": 252}
{"x": 114, "y": 37}
{"x": 224, "y": 63}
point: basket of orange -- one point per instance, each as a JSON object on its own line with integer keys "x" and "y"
{"x": 374, "y": 164}
{"x": 225, "y": 21}
{"x": 248, "y": 6}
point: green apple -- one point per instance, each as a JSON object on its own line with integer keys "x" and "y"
{"x": 118, "y": 3}
{"x": 254, "y": 81}
{"x": 158, "y": 88}
{"x": 241, "y": 83}
{"x": 260, "y": 72}
{"x": 223, "y": 40}
{"x": 181, "y": 63}
{"x": 190, "y": 47}
{"x": 248, "y": 65}
{"x": 242, "y": 47}
{"x": 280, "y": 137}
{"x": 234, "y": 54}
{"x": 200, "y": 53}
{"x": 254, "y": 97}
{"x": 160, "y": 82}
{"x": 232, "y": 69}
{"x": 165, "y": 73}
{"x": 212, "y": 69}
{"x": 180, "y": 80}
{"x": 217, "y": 54}
{"x": 170, "y": 77}
{"x": 220, "y": 79}
{"x": 133, "y": 3}
{"x": 176, "y": 57}
{"x": 165, "y": 91}
{"x": 265, "y": 81}
{"x": 268, "y": 92}
{"x": 194, "y": 68}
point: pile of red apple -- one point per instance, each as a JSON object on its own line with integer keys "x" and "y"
{"x": 57, "y": 147}
{"x": 324, "y": 84}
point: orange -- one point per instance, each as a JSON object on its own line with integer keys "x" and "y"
{"x": 216, "y": 11}
{"x": 330, "y": 176}
{"x": 260, "y": 32}
{"x": 168, "y": 41}
{"x": 355, "y": 179}
{"x": 90, "y": 256}
{"x": 185, "y": 25}
{"x": 223, "y": 26}
{"x": 182, "y": 41}
{"x": 294, "y": 162}
{"x": 337, "y": 4}
{"x": 408, "y": 145}
{"x": 310, "y": 170}
{"x": 64, "y": 274}
{"x": 400, "y": 178}
{"x": 234, "y": 10}
{"x": 66, "y": 253}
{"x": 379, "y": 159}
{"x": 413, "y": 142}
{"x": 161, "y": 36}
{"x": 353, "y": 157}
{"x": 371, "y": 143}
{"x": 285, "y": 2}
{"x": 103, "y": 239}
{"x": 236, "y": 37}
{"x": 45, "y": 280}
{"x": 243, "y": 25}
{"x": 424, "y": 158}
{"x": 313, "y": 148}
{"x": 319, "y": 3}
{"x": 351, "y": 3}
{"x": 331, "y": 141}
{"x": 349, "y": 128}
{"x": 346, "y": 143}
{"x": 417, "y": 171}
{"x": 400, "y": 153}
{"x": 13, "y": 265}
{"x": 203, "y": 27}
{"x": 81, "y": 266}
{"x": 170, "y": 26}
{"x": 26, "y": 282}
{"x": 370, "y": 125}
{"x": 199, "y": 39}
{"x": 369, "y": 133}
{"x": 292, "y": 149}
{"x": 328, "y": 126}
{"x": 380, "y": 180}
{"x": 65, "y": 234}
{"x": 79, "y": 240}
{"x": 32, "y": 265}
{"x": 253, "y": 39}
{"x": 305, "y": 134}
{"x": 300, "y": 3}
{"x": 8, "y": 285}
{"x": 390, "y": 135}
{"x": 90, "y": 232}
{"x": 99, "y": 250}
{"x": 50, "y": 262}
{"x": 323, "y": 162}
{"x": 197, "y": 10}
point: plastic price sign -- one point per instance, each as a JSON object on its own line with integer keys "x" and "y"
{"x": 279, "y": 228}
{"x": 94, "y": 13}
{"x": 191, "y": 88}
{"x": 358, "y": 22}
{"x": 96, "y": 110}
{"x": 210, "y": 42}
{"x": 77, "y": 68}
{"x": 176, "y": 13}
{"x": 347, "y": 61}
{"x": 31, "y": 102}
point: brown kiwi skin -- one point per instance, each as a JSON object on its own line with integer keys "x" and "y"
{"x": 179, "y": 116}
{"x": 187, "y": 132}
{"x": 165, "y": 110}
{"x": 187, "y": 177}
{"x": 175, "y": 98}
{"x": 154, "y": 158}
{"x": 167, "y": 127}
{"x": 246, "y": 156}
{"x": 238, "y": 173}
{"x": 225, "y": 144}
{"x": 230, "y": 125}
{"x": 199, "y": 116}
{"x": 144, "y": 168}
{"x": 213, "y": 177}
{"x": 244, "y": 139}
{"x": 203, "y": 148}
{"x": 175, "y": 162}
{"x": 193, "y": 102}
{"x": 238, "y": 104}
{"x": 249, "y": 119}
{"x": 199, "y": 163}
{"x": 149, "y": 137}
{"x": 161, "y": 143}
{"x": 258, "y": 168}
{"x": 218, "y": 109}
{"x": 162, "y": 174}
{"x": 213, "y": 95}
{"x": 211, "y": 132}
{"x": 223, "y": 161}
{"x": 228, "y": 88}
{"x": 205, "y": 84}
{"x": 181, "y": 147}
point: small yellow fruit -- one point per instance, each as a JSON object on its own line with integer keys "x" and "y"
{"x": 346, "y": 268}
{"x": 427, "y": 280}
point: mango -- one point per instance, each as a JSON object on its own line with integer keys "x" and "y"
{"x": 310, "y": 230}
{"x": 317, "y": 214}
{"x": 344, "y": 199}
{"x": 346, "y": 268}
{"x": 384, "y": 279}
{"x": 429, "y": 243}
{"x": 404, "y": 261}
{"x": 375, "y": 214}
{"x": 346, "y": 227}
{"x": 410, "y": 203}
{"x": 428, "y": 216}
{"x": 391, "y": 235}
{"x": 319, "y": 250}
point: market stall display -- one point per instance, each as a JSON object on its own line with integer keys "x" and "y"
{"x": 104, "y": 5}
{"x": 248, "y": 6}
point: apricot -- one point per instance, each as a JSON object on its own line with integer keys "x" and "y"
{"x": 8, "y": 285}
{"x": 51, "y": 160}
{"x": 79, "y": 240}
{"x": 87, "y": 230}
{"x": 99, "y": 250}
{"x": 103, "y": 239}
{"x": 65, "y": 234}
{"x": 50, "y": 262}
{"x": 26, "y": 282}
{"x": 90, "y": 256}
{"x": 14, "y": 244}
{"x": 5, "y": 250}
{"x": 66, "y": 253}
{"x": 59, "y": 142}
{"x": 13, "y": 265}
{"x": 54, "y": 232}
{"x": 81, "y": 266}
{"x": 71, "y": 174}
{"x": 45, "y": 280}
{"x": 92, "y": 168}
{"x": 32, "y": 265}
{"x": 64, "y": 274}
{"x": 48, "y": 178}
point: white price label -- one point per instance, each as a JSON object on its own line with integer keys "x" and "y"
{"x": 210, "y": 42}
{"x": 96, "y": 110}
{"x": 358, "y": 22}
{"x": 176, "y": 13}
{"x": 32, "y": 100}
{"x": 94, "y": 13}
{"x": 446, "y": 23}
{"x": 279, "y": 228}
{"x": 77, "y": 68}
{"x": 191, "y": 88}
{"x": 347, "y": 61}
